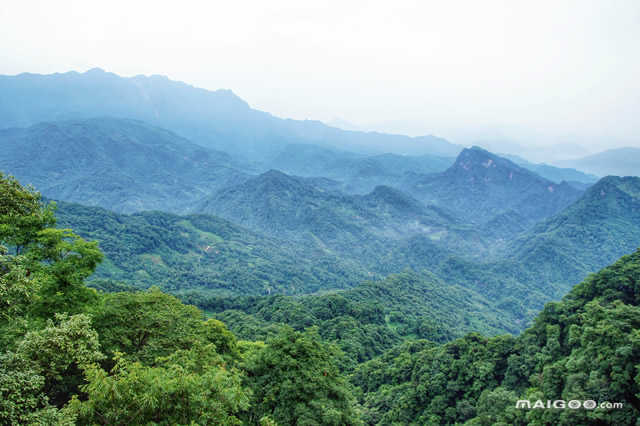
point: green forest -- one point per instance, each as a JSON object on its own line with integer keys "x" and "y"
{"x": 115, "y": 354}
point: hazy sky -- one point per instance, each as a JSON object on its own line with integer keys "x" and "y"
{"x": 459, "y": 69}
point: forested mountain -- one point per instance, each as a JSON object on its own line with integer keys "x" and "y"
{"x": 412, "y": 305}
{"x": 591, "y": 233}
{"x": 585, "y": 348}
{"x": 307, "y": 209}
{"x": 72, "y": 355}
{"x": 386, "y": 230}
{"x": 361, "y": 173}
{"x": 204, "y": 253}
{"x": 370, "y": 277}
{"x": 323, "y": 240}
{"x": 218, "y": 120}
{"x": 480, "y": 186}
{"x": 120, "y": 164}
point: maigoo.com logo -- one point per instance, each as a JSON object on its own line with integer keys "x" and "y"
{"x": 560, "y": 404}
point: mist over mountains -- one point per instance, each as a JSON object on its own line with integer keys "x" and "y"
{"x": 218, "y": 120}
{"x": 384, "y": 201}
{"x": 409, "y": 257}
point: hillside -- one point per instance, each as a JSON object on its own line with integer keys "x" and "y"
{"x": 555, "y": 174}
{"x": 369, "y": 228}
{"x": 584, "y": 348}
{"x": 591, "y": 233}
{"x": 219, "y": 120}
{"x": 369, "y": 318}
{"x": 362, "y": 173}
{"x": 123, "y": 165}
{"x": 379, "y": 353}
{"x": 204, "y": 253}
{"x": 481, "y": 185}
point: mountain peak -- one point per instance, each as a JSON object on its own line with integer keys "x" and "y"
{"x": 629, "y": 185}
{"x": 274, "y": 175}
{"x": 478, "y": 165}
{"x": 480, "y": 185}
{"x": 95, "y": 70}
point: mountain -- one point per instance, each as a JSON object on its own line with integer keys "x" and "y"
{"x": 601, "y": 226}
{"x": 307, "y": 209}
{"x": 360, "y": 172}
{"x": 408, "y": 304}
{"x": 218, "y": 120}
{"x": 583, "y": 349}
{"x": 616, "y": 162}
{"x": 203, "y": 253}
{"x": 120, "y": 164}
{"x": 556, "y": 174}
{"x": 480, "y": 186}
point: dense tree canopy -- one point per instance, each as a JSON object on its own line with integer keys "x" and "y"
{"x": 70, "y": 354}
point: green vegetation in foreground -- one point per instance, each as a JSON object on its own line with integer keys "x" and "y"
{"x": 72, "y": 355}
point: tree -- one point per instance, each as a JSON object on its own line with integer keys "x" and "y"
{"x": 147, "y": 325}
{"x": 296, "y": 380}
{"x": 44, "y": 370}
{"x": 188, "y": 387}
{"x": 40, "y": 266}
{"x": 22, "y": 214}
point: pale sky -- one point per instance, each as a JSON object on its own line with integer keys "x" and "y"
{"x": 531, "y": 71}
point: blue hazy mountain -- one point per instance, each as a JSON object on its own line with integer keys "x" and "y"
{"x": 123, "y": 165}
{"x": 480, "y": 186}
{"x": 215, "y": 119}
{"x": 314, "y": 209}
{"x": 556, "y": 174}
{"x": 362, "y": 173}
{"x": 614, "y": 162}
{"x": 597, "y": 229}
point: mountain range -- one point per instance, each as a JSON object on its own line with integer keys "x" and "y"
{"x": 122, "y": 164}
{"x": 615, "y": 162}
{"x": 219, "y": 120}
{"x": 481, "y": 185}
{"x": 206, "y": 195}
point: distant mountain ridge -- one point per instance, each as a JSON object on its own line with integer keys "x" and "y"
{"x": 613, "y": 162}
{"x": 360, "y": 172}
{"x": 597, "y": 229}
{"x": 308, "y": 208}
{"x": 481, "y": 185}
{"x": 555, "y": 174}
{"x": 219, "y": 120}
{"x": 120, "y": 164}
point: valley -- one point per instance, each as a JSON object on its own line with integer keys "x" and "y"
{"x": 413, "y": 266}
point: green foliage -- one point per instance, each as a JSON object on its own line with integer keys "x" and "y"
{"x": 594, "y": 232}
{"x": 44, "y": 371}
{"x": 22, "y": 214}
{"x": 22, "y": 400}
{"x": 120, "y": 164}
{"x": 59, "y": 351}
{"x": 16, "y": 290}
{"x": 295, "y": 379}
{"x": 357, "y": 328}
{"x": 188, "y": 387}
{"x": 146, "y": 325}
{"x": 205, "y": 254}
{"x": 66, "y": 260}
{"x": 584, "y": 348}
